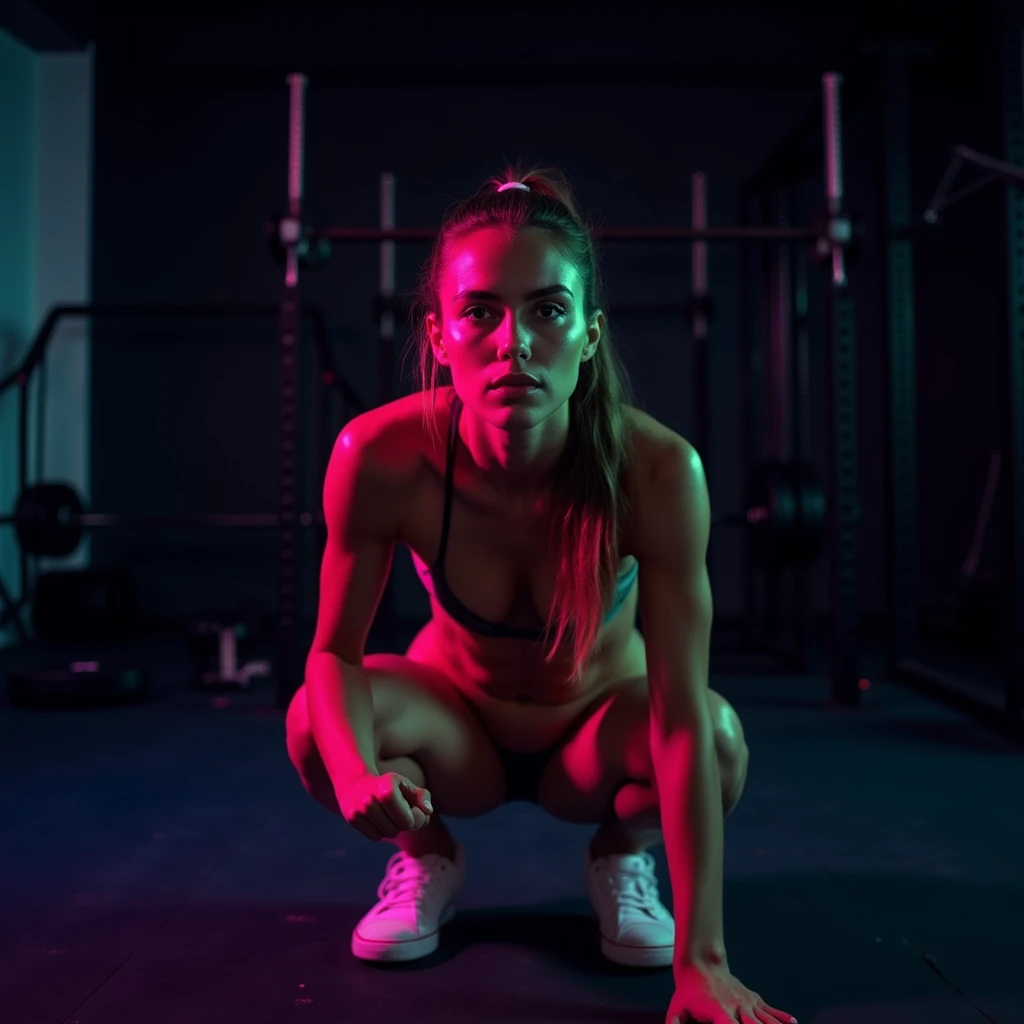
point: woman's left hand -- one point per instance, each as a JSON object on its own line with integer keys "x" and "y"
{"x": 711, "y": 995}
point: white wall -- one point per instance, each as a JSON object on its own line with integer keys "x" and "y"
{"x": 45, "y": 245}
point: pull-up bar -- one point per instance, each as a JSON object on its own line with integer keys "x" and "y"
{"x": 998, "y": 170}
{"x": 640, "y": 234}
{"x": 297, "y": 244}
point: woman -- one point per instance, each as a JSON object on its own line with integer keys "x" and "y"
{"x": 541, "y": 511}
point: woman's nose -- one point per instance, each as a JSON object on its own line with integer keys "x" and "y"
{"x": 514, "y": 341}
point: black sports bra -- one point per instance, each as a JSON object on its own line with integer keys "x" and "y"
{"x": 453, "y": 606}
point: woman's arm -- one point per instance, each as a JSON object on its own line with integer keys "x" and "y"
{"x": 362, "y": 492}
{"x": 673, "y": 526}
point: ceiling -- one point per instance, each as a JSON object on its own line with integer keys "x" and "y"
{"x": 72, "y": 24}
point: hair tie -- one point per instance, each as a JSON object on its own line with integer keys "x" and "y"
{"x": 513, "y": 184}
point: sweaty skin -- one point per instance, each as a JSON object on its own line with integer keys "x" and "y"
{"x": 498, "y": 563}
{"x": 512, "y": 304}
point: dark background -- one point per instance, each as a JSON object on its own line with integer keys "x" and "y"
{"x": 149, "y": 852}
{"x": 191, "y": 114}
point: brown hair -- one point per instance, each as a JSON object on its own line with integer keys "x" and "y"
{"x": 589, "y": 503}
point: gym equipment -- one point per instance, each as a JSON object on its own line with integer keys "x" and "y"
{"x": 50, "y": 518}
{"x": 785, "y": 517}
{"x": 77, "y": 684}
{"x": 998, "y": 170}
{"x": 333, "y": 385}
{"x": 313, "y": 245}
{"x": 990, "y": 609}
{"x": 312, "y": 252}
{"x": 828, "y": 238}
{"x": 981, "y": 594}
{"x": 216, "y": 639}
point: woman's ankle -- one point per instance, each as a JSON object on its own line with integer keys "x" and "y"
{"x": 432, "y": 838}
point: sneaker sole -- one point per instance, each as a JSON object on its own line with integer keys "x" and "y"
{"x": 400, "y": 952}
{"x": 637, "y": 956}
{"x": 634, "y": 956}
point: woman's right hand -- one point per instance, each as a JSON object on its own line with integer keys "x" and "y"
{"x": 381, "y": 806}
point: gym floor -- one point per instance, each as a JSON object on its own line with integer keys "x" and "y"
{"x": 162, "y": 863}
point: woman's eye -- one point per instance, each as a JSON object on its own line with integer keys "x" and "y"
{"x": 558, "y": 311}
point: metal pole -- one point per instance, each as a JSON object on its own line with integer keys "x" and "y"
{"x": 23, "y": 382}
{"x": 387, "y": 289}
{"x": 699, "y": 329}
{"x": 999, "y": 168}
{"x": 701, "y": 359}
{"x": 800, "y": 413}
{"x": 834, "y": 191}
{"x": 780, "y": 582}
{"x": 771, "y": 616}
{"x": 800, "y": 379}
{"x": 288, "y": 668}
{"x": 627, "y": 234}
{"x": 780, "y": 320}
{"x": 902, "y": 565}
{"x": 843, "y": 502}
{"x": 296, "y": 144}
{"x": 1012, "y": 42}
{"x": 386, "y": 357}
{"x": 747, "y": 300}
{"x": 185, "y": 521}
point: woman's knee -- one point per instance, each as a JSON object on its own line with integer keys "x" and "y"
{"x": 299, "y": 738}
{"x": 732, "y": 750}
{"x": 303, "y": 752}
{"x": 730, "y": 743}
{"x": 297, "y": 730}
{"x": 422, "y": 728}
{"x": 421, "y": 717}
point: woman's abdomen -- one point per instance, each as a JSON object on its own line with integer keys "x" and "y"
{"x": 524, "y": 704}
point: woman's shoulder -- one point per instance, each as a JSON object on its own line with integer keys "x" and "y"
{"x": 399, "y": 435}
{"x": 653, "y": 443}
{"x": 660, "y": 455}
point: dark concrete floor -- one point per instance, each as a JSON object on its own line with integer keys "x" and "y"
{"x": 161, "y": 863}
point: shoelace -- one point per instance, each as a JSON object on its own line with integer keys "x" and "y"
{"x": 636, "y": 888}
{"x": 405, "y": 881}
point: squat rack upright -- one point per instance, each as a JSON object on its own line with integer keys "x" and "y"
{"x": 830, "y": 240}
{"x": 900, "y": 229}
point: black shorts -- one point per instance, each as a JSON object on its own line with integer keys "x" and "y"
{"x": 523, "y": 773}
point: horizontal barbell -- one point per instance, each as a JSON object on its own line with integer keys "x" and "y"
{"x": 313, "y": 244}
{"x": 784, "y": 518}
{"x": 669, "y": 233}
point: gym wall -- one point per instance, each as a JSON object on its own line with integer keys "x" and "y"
{"x": 186, "y": 174}
{"x": 45, "y": 250}
{"x": 17, "y": 241}
{"x": 191, "y": 157}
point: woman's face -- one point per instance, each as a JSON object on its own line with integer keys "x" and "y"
{"x": 511, "y": 304}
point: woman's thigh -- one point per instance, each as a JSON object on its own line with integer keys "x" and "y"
{"x": 607, "y": 747}
{"x": 610, "y": 746}
{"x": 418, "y": 714}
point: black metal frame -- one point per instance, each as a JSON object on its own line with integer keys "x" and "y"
{"x": 762, "y": 233}
{"x": 142, "y": 77}
{"x": 906, "y": 661}
{"x": 785, "y": 282}
{"x": 830, "y": 241}
{"x": 331, "y": 380}
{"x": 775, "y": 609}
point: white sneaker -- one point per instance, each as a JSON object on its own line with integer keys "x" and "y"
{"x": 636, "y": 928}
{"x": 418, "y": 896}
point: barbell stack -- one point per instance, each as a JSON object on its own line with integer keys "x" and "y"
{"x": 784, "y": 518}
